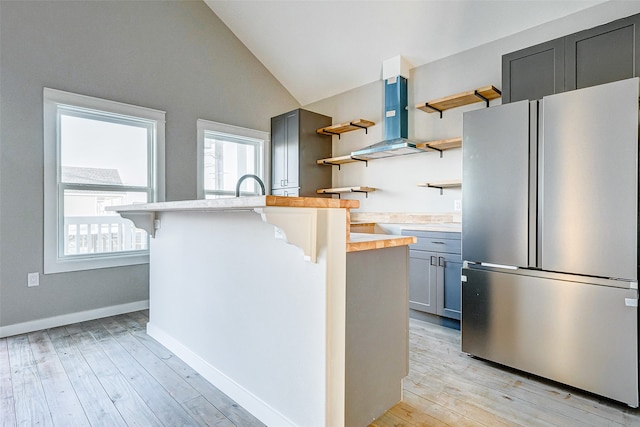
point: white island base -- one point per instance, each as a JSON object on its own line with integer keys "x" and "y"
{"x": 295, "y": 342}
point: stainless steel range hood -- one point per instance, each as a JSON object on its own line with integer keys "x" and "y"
{"x": 393, "y": 147}
{"x": 395, "y": 124}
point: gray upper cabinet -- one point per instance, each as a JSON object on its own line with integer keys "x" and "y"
{"x": 603, "y": 54}
{"x": 295, "y": 147}
{"x": 591, "y": 57}
{"x": 534, "y": 72}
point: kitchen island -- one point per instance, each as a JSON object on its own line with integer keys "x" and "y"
{"x": 277, "y": 304}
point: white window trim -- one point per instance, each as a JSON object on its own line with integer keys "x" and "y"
{"x": 207, "y": 125}
{"x": 51, "y": 99}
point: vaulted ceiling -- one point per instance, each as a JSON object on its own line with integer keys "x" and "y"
{"x": 319, "y": 48}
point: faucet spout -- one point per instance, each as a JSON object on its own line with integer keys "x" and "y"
{"x": 257, "y": 178}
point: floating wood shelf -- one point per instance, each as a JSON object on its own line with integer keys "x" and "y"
{"x": 341, "y": 128}
{"x": 342, "y": 190}
{"x": 341, "y": 160}
{"x": 483, "y": 94}
{"x": 440, "y": 145}
{"x": 442, "y": 184}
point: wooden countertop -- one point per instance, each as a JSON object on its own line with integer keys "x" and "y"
{"x": 238, "y": 203}
{"x": 366, "y": 241}
{"x": 355, "y": 241}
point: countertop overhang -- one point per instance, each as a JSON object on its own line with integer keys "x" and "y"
{"x": 238, "y": 203}
{"x": 144, "y": 216}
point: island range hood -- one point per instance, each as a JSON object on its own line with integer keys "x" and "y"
{"x": 395, "y": 124}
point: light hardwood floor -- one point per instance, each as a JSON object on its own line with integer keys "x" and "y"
{"x": 447, "y": 387}
{"x": 108, "y": 372}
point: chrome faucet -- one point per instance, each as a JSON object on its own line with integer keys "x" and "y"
{"x": 256, "y": 177}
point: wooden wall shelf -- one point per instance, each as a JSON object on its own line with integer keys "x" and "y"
{"x": 482, "y": 94}
{"x": 341, "y": 128}
{"x": 442, "y": 184}
{"x": 440, "y": 145}
{"x": 341, "y": 160}
{"x": 342, "y": 190}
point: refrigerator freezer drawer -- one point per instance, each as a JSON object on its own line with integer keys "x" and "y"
{"x": 579, "y": 334}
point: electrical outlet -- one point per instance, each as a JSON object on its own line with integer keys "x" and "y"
{"x": 33, "y": 279}
{"x": 457, "y": 205}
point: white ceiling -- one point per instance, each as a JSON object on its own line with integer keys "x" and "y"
{"x": 319, "y": 48}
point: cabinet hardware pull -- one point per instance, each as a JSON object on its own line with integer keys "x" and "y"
{"x": 441, "y": 261}
{"x": 437, "y": 243}
{"x": 433, "y": 261}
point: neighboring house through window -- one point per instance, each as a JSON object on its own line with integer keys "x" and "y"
{"x": 98, "y": 153}
{"x": 226, "y": 153}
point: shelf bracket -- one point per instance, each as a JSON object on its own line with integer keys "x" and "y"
{"x": 332, "y": 193}
{"x": 435, "y": 186}
{"x": 366, "y": 131}
{"x": 328, "y": 132}
{"x": 426, "y": 104}
{"x": 435, "y": 149}
{"x": 366, "y": 162}
{"x": 366, "y": 193}
{"x": 486, "y": 100}
{"x": 324, "y": 162}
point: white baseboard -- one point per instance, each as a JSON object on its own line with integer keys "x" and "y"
{"x": 67, "y": 319}
{"x": 256, "y": 406}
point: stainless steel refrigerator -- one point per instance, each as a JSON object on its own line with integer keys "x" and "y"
{"x": 550, "y": 237}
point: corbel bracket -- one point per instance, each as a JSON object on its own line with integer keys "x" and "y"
{"x": 297, "y": 227}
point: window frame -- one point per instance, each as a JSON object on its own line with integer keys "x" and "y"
{"x": 260, "y": 138}
{"x": 55, "y": 102}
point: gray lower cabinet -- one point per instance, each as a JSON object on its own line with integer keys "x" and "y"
{"x": 602, "y": 54}
{"x": 295, "y": 147}
{"x": 435, "y": 264}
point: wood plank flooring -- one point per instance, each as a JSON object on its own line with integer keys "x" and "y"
{"x": 109, "y": 372}
{"x": 448, "y": 388}
{"x": 106, "y": 372}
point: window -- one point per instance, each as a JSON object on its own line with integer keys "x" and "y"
{"x": 226, "y": 153}
{"x": 98, "y": 153}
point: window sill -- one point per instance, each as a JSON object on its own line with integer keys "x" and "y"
{"x": 55, "y": 265}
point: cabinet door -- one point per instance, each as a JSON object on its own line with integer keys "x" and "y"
{"x": 292, "y": 174}
{"x": 284, "y": 150}
{"x": 278, "y": 151}
{"x": 423, "y": 270}
{"x": 603, "y": 54}
{"x": 449, "y": 285}
{"x": 533, "y": 72}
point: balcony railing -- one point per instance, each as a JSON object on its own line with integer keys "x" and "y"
{"x": 100, "y": 234}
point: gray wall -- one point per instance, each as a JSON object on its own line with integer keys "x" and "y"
{"x": 396, "y": 178}
{"x": 175, "y": 56}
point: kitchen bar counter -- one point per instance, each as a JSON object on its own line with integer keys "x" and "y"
{"x": 291, "y": 332}
{"x": 144, "y": 215}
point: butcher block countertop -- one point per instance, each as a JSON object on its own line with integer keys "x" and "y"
{"x": 366, "y": 241}
{"x": 239, "y": 203}
{"x": 355, "y": 241}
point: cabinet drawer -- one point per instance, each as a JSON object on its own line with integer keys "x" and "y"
{"x": 435, "y": 241}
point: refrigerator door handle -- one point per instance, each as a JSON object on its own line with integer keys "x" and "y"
{"x": 433, "y": 261}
